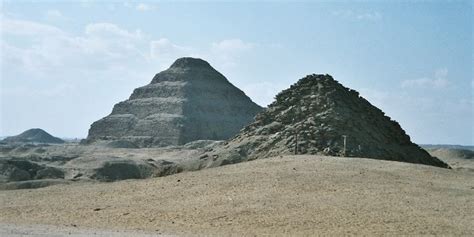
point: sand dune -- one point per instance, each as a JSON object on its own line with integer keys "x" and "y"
{"x": 294, "y": 195}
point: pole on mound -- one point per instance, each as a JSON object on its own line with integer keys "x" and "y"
{"x": 344, "y": 149}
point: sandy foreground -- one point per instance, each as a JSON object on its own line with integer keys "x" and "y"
{"x": 15, "y": 230}
{"x": 293, "y": 195}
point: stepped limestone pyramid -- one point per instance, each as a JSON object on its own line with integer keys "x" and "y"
{"x": 187, "y": 102}
{"x": 312, "y": 117}
{"x": 34, "y": 135}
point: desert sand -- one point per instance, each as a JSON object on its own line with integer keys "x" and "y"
{"x": 292, "y": 195}
{"x": 13, "y": 230}
{"x": 457, "y": 158}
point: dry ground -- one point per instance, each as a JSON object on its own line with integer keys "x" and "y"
{"x": 295, "y": 195}
{"x": 456, "y": 158}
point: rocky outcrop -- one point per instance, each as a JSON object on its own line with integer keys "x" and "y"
{"x": 39, "y": 165}
{"x": 312, "y": 117}
{"x": 34, "y": 135}
{"x": 187, "y": 102}
{"x": 12, "y": 169}
{"x": 120, "y": 169}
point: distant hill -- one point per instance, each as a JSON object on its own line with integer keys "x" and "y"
{"x": 458, "y": 157}
{"x": 446, "y": 153}
{"x": 34, "y": 135}
{"x": 438, "y": 146}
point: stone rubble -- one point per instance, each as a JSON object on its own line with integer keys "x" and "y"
{"x": 314, "y": 115}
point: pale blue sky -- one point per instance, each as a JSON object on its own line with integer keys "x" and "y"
{"x": 64, "y": 64}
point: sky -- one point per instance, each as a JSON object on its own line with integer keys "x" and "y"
{"x": 64, "y": 64}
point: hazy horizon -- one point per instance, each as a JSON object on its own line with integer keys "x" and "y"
{"x": 64, "y": 65}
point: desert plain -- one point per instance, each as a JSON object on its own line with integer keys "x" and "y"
{"x": 289, "y": 195}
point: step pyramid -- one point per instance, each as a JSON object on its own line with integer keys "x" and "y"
{"x": 189, "y": 101}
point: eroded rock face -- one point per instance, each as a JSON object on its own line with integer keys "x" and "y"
{"x": 314, "y": 115}
{"x": 187, "y": 102}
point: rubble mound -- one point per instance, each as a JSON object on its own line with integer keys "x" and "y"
{"x": 318, "y": 115}
{"x": 189, "y": 101}
{"x": 34, "y": 135}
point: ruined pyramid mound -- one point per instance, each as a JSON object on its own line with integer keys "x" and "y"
{"x": 312, "y": 117}
{"x": 34, "y": 135}
{"x": 187, "y": 102}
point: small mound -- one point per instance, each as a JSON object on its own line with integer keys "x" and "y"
{"x": 122, "y": 169}
{"x": 34, "y": 135}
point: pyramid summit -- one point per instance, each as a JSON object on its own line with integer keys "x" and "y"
{"x": 188, "y": 62}
{"x": 318, "y": 115}
{"x": 189, "y": 101}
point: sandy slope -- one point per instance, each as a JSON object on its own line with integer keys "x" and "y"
{"x": 456, "y": 158}
{"x": 303, "y": 195}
